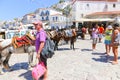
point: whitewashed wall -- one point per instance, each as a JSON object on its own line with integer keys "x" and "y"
{"x": 82, "y": 8}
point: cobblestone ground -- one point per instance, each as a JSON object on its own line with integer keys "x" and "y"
{"x": 66, "y": 64}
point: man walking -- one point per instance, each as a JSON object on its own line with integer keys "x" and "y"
{"x": 39, "y": 43}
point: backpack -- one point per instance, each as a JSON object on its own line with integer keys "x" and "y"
{"x": 48, "y": 50}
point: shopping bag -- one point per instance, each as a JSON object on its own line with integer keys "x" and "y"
{"x": 38, "y": 71}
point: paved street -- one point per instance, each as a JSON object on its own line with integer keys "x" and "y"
{"x": 67, "y": 64}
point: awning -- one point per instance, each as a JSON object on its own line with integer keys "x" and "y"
{"x": 96, "y": 20}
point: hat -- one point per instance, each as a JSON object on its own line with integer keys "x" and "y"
{"x": 37, "y": 21}
{"x": 109, "y": 27}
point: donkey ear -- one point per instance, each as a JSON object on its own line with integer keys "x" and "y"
{"x": 28, "y": 32}
{"x": 30, "y": 36}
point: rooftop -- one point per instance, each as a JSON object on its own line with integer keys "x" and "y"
{"x": 105, "y": 13}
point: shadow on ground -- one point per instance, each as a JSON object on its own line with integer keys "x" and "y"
{"x": 96, "y": 53}
{"x": 18, "y": 66}
{"x": 103, "y": 58}
{"x": 86, "y": 49}
{"x": 61, "y": 49}
{"x": 27, "y": 75}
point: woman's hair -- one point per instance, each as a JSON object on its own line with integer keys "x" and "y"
{"x": 116, "y": 25}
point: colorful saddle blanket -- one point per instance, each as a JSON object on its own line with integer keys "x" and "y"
{"x": 24, "y": 40}
{"x": 53, "y": 33}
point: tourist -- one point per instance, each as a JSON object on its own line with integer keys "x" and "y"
{"x": 94, "y": 36}
{"x": 108, "y": 34}
{"x": 39, "y": 43}
{"x": 101, "y": 31}
{"x": 115, "y": 42}
{"x": 83, "y": 32}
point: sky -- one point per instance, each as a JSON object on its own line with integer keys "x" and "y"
{"x": 10, "y": 9}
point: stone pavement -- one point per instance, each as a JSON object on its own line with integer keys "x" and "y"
{"x": 66, "y": 64}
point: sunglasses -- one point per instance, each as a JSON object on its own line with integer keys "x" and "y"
{"x": 35, "y": 24}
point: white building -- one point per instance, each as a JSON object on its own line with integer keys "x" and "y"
{"x": 45, "y": 13}
{"x": 81, "y": 8}
{"x": 27, "y": 18}
{"x": 59, "y": 21}
{"x": 53, "y": 18}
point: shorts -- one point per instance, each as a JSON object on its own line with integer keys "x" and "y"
{"x": 107, "y": 42}
{"x": 43, "y": 60}
{"x": 100, "y": 35}
{"x": 94, "y": 41}
{"x": 45, "y": 63}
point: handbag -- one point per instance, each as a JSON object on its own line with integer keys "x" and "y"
{"x": 116, "y": 44}
{"x": 38, "y": 71}
{"x": 117, "y": 40}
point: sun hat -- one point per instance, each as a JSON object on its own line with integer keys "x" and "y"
{"x": 36, "y": 21}
{"x": 109, "y": 27}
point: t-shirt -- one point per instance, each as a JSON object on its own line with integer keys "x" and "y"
{"x": 108, "y": 34}
{"x": 95, "y": 33}
{"x": 40, "y": 36}
{"x": 101, "y": 30}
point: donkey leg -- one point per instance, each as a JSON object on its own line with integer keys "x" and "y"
{"x": 1, "y": 71}
{"x": 30, "y": 59}
{"x": 70, "y": 46}
{"x": 71, "y": 43}
{"x": 57, "y": 45}
{"x": 55, "y": 48}
{"x": 5, "y": 62}
{"x": 73, "y": 46}
{"x": 1, "y": 65}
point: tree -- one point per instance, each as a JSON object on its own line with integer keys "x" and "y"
{"x": 61, "y": 1}
{"x": 67, "y": 10}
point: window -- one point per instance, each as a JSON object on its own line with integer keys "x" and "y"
{"x": 87, "y": 5}
{"x": 114, "y": 5}
{"x": 42, "y": 18}
{"x": 53, "y": 18}
{"x": 82, "y": 15}
{"x": 56, "y": 18}
{"x": 34, "y": 16}
{"x": 47, "y": 12}
{"x": 42, "y": 13}
{"x": 47, "y": 18}
{"x": 52, "y": 27}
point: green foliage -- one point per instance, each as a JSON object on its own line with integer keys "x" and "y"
{"x": 61, "y": 1}
{"x": 67, "y": 10}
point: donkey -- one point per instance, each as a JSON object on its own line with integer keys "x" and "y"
{"x": 9, "y": 46}
{"x": 55, "y": 36}
{"x": 70, "y": 35}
